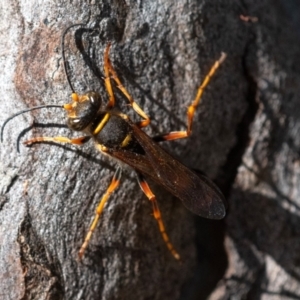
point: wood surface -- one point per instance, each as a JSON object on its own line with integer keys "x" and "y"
{"x": 245, "y": 137}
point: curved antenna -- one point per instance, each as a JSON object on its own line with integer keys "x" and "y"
{"x": 24, "y": 111}
{"x": 68, "y": 78}
{"x": 63, "y": 53}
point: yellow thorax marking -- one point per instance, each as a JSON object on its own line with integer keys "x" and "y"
{"x": 126, "y": 140}
{"x": 102, "y": 124}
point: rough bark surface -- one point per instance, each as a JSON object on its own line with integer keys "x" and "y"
{"x": 245, "y": 136}
{"x": 262, "y": 234}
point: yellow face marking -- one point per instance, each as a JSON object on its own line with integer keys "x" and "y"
{"x": 126, "y": 140}
{"x": 68, "y": 106}
{"x": 82, "y": 98}
{"x": 75, "y": 97}
{"x": 101, "y": 124}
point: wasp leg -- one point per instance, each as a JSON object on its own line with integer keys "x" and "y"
{"x": 135, "y": 106}
{"x": 174, "y": 135}
{"x": 113, "y": 185}
{"x": 58, "y": 139}
{"x": 111, "y": 102}
{"x": 157, "y": 215}
{"x": 192, "y": 108}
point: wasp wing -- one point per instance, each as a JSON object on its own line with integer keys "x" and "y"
{"x": 198, "y": 193}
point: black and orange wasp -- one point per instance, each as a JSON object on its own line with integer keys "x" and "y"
{"x": 116, "y": 135}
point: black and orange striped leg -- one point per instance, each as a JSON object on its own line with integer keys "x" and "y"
{"x": 58, "y": 139}
{"x": 174, "y": 135}
{"x": 192, "y": 108}
{"x": 111, "y": 188}
{"x": 109, "y": 67}
{"x": 157, "y": 215}
{"x": 107, "y": 81}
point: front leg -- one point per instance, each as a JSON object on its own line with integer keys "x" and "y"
{"x": 109, "y": 69}
{"x": 58, "y": 139}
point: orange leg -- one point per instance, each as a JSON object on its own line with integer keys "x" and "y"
{"x": 109, "y": 67}
{"x": 58, "y": 139}
{"x": 157, "y": 215}
{"x": 192, "y": 108}
{"x": 174, "y": 135}
{"x": 111, "y": 102}
{"x": 113, "y": 185}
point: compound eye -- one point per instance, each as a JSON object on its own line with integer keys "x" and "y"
{"x": 95, "y": 99}
{"x": 75, "y": 124}
{"x": 84, "y": 111}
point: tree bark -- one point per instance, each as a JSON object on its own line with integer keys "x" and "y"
{"x": 262, "y": 235}
{"x": 244, "y": 136}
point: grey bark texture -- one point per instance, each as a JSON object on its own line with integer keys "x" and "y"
{"x": 245, "y": 137}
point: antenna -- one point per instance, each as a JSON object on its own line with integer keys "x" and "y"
{"x": 24, "y": 111}
{"x": 63, "y": 53}
{"x": 46, "y": 106}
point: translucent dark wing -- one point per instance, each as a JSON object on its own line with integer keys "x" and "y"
{"x": 197, "y": 192}
{"x": 138, "y": 162}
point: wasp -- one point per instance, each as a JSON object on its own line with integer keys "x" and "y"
{"x": 117, "y": 136}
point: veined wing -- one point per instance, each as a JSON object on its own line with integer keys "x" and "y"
{"x": 198, "y": 193}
